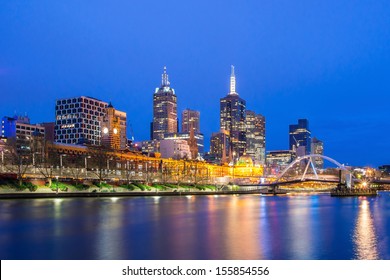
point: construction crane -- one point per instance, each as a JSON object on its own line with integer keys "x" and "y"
{"x": 131, "y": 133}
{"x": 296, "y": 141}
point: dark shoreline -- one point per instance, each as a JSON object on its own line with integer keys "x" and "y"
{"x": 131, "y": 194}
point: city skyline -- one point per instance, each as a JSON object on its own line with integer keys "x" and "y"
{"x": 325, "y": 67}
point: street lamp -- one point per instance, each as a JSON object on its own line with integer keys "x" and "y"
{"x": 86, "y": 166}
{"x": 62, "y": 155}
{"x": 56, "y": 184}
{"x": 2, "y": 160}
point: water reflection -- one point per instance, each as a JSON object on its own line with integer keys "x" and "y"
{"x": 364, "y": 235}
{"x": 196, "y": 227}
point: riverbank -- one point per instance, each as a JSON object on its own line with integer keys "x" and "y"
{"x": 25, "y": 195}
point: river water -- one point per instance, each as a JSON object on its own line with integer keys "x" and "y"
{"x": 197, "y": 227}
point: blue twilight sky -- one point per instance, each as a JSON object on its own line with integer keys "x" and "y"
{"x": 327, "y": 61}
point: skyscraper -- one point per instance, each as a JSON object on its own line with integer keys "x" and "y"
{"x": 255, "y": 137}
{"x": 220, "y": 146}
{"x": 232, "y": 119}
{"x": 300, "y": 137}
{"x": 164, "y": 109}
{"x": 317, "y": 147}
{"x": 190, "y": 118}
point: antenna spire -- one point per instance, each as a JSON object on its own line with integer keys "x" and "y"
{"x": 232, "y": 82}
{"x": 165, "y": 81}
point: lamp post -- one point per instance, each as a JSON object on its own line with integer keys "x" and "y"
{"x": 56, "y": 184}
{"x": 86, "y": 165}
{"x": 2, "y": 160}
{"x": 62, "y": 155}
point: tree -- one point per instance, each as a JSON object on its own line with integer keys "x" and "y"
{"x": 199, "y": 172}
{"x": 45, "y": 159}
{"x": 100, "y": 156}
{"x": 128, "y": 170}
{"x": 18, "y": 157}
{"x": 75, "y": 164}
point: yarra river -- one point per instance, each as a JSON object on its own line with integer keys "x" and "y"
{"x": 314, "y": 226}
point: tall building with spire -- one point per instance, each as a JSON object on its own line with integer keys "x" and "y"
{"x": 164, "y": 109}
{"x": 232, "y": 119}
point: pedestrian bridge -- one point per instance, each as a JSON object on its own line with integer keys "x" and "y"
{"x": 303, "y": 169}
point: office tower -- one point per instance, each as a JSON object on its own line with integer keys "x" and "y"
{"x": 164, "y": 109}
{"x": 78, "y": 120}
{"x": 220, "y": 146}
{"x": 114, "y": 128}
{"x": 317, "y": 147}
{"x": 255, "y": 137}
{"x": 190, "y": 118}
{"x": 300, "y": 137}
{"x": 232, "y": 119}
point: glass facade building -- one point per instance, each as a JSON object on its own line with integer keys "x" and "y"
{"x": 300, "y": 137}
{"x": 232, "y": 119}
{"x": 255, "y": 137}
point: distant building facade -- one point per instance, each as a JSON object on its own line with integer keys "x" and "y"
{"x": 199, "y": 138}
{"x": 385, "y": 169}
{"x": 220, "y": 147}
{"x": 20, "y": 129}
{"x": 114, "y": 129}
{"x": 232, "y": 119}
{"x": 300, "y": 137}
{"x": 164, "y": 110}
{"x": 190, "y": 119}
{"x": 49, "y": 130}
{"x": 148, "y": 147}
{"x": 78, "y": 120}
{"x": 255, "y": 137}
{"x": 175, "y": 148}
{"x": 317, "y": 147}
{"x": 280, "y": 158}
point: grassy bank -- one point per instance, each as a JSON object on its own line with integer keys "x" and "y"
{"x": 10, "y": 186}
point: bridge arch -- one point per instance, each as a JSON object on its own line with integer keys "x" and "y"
{"x": 310, "y": 157}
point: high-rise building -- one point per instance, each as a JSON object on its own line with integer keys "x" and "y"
{"x": 220, "y": 146}
{"x": 300, "y": 137}
{"x": 190, "y": 119}
{"x": 317, "y": 147}
{"x": 255, "y": 137}
{"x": 164, "y": 109}
{"x": 114, "y": 129}
{"x": 78, "y": 120}
{"x": 232, "y": 119}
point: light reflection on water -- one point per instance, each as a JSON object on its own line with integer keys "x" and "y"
{"x": 364, "y": 236}
{"x": 196, "y": 227}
